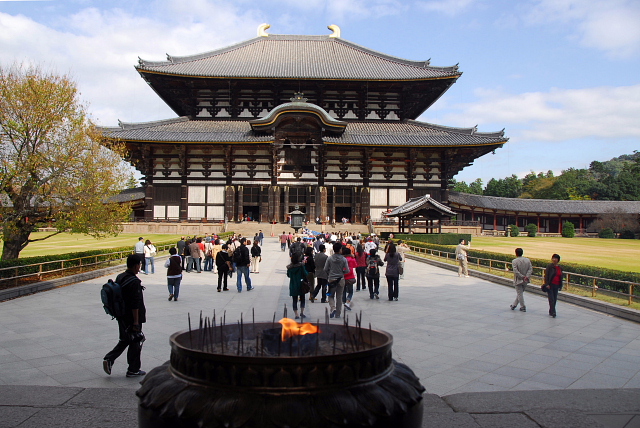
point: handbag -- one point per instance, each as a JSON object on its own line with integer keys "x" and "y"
{"x": 400, "y": 269}
{"x": 305, "y": 287}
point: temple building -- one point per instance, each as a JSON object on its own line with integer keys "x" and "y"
{"x": 284, "y": 121}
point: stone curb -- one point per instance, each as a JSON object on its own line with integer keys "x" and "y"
{"x": 585, "y": 302}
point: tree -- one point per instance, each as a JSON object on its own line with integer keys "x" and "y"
{"x": 568, "y": 229}
{"x": 476, "y": 187}
{"x": 531, "y": 229}
{"x": 54, "y": 170}
{"x": 509, "y": 187}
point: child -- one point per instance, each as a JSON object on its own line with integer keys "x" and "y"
{"x": 349, "y": 278}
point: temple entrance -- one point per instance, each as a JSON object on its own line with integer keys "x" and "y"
{"x": 343, "y": 212}
{"x": 251, "y": 213}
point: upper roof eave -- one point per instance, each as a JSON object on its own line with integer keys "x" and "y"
{"x": 175, "y": 65}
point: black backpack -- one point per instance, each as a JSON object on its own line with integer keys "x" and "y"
{"x": 237, "y": 255}
{"x": 372, "y": 266}
{"x": 112, "y": 300}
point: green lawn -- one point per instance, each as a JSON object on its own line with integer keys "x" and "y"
{"x": 68, "y": 243}
{"x": 621, "y": 254}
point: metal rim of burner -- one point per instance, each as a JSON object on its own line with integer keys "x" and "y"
{"x": 284, "y": 371}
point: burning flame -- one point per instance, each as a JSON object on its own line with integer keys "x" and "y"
{"x": 291, "y": 328}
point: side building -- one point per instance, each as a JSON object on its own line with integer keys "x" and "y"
{"x": 284, "y": 121}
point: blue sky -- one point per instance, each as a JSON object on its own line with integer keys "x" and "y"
{"x": 562, "y": 76}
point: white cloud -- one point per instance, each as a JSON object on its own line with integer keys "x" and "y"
{"x": 557, "y": 115}
{"x": 609, "y": 25}
{"x": 447, "y": 7}
{"x": 350, "y": 10}
{"x": 99, "y": 48}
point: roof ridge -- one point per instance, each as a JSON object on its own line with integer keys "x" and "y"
{"x": 422, "y": 64}
{"x": 196, "y": 57}
{"x": 139, "y": 125}
{"x": 465, "y": 131}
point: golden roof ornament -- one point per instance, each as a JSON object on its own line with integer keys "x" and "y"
{"x": 262, "y": 30}
{"x": 336, "y": 31}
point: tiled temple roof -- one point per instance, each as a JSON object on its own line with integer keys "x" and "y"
{"x": 542, "y": 206}
{"x": 298, "y": 57}
{"x": 421, "y": 203}
{"x": 402, "y": 133}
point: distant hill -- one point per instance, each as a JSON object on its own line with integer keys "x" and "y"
{"x": 617, "y": 179}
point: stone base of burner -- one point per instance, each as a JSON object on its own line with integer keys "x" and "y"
{"x": 392, "y": 400}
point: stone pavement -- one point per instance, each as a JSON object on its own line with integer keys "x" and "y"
{"x": 457, "y": 334}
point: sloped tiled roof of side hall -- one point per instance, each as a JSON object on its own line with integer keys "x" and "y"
{"x": 542, "y": 206}
{"x": 401, "y": 133}
{"x": 297, "y": 57}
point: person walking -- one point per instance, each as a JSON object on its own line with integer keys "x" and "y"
{"x": 361, "y": 267}
{"x": 402, "y": 248}
{"x": 296, "y": 273}
{"x": 149, "y": 257}
{"x": 320, "y": 259}
{"x": 174, "y": 274}
{"x": 553, "y": 282}
{"x": 130, "y": 325}
{"x": 336, "y": 267}
{"x": 242, "y": 260}
{"x": 187, "y": 256}
{"x": 208, "y": 255}
{"x": 283, "y": 240}
{"x": 392, "y": 258}
{"x": 522, "y": 271}
{"x": 217, "y": 247}
{"x": 373, "y": 273}
{"x": 260, "y": 237}
{"x": 256, "y": 256}
{"x": 196, "y": 255}
{"x": 461, "y": 257}
{"x": 224, "y": 266}
{"x": 349, "y": 278}
{"x": 310, "y": 265}
{"x": 139, "y": 250}
{"x": 180, "y": 245}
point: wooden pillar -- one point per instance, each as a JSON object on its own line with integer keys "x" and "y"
{"x": 274, "y": 204}
{"x": 560, "y": 224}
{"x": 309, "y": 209}
{"x": 495, "y": 220}
{"x": 285, "y": 205}
{"x": 321, "y": 203}
{"x": 365, "y": 204}
{"x": 355, "y": 206}
{"x": 148, "y": 201}
{"x": 240, "y": 203}
{"x": 229, "y": 205}
{"x": 581, "y": 225}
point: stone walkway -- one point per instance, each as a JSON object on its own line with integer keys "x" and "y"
{"x": 457, "y": 334}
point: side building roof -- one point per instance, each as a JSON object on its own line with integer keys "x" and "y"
{"x": 297, "y": 57}
{"x": 541, "y": 206}
{"x": 421, "y": 204}
{"x": 403, "y": 133}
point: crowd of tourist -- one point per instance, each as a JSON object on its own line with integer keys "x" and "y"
{"x": 335, "y": 265}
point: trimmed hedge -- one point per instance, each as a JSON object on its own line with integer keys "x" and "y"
{"x": 56, "y": 260}
{"x": 568, "y": 267}
{"x": 433, "y": 238}
{"x": 531, "y": 229}
{"x": 606, "y": 234}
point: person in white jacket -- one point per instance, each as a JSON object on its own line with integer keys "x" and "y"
{"x": 149, "y": 254}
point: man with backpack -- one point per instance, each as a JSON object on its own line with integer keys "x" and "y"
{"x": 242, "y": 260}
{"x": 130, "y": 321}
